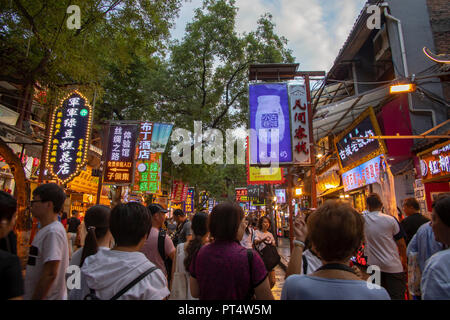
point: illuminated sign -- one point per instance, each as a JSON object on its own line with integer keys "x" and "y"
{"x": 281, "y": 195}
{"x": 241, "y": 195}
{"x": 269, "y": 111}
{"x": 435, "y": 162}
{"x": 299, "y": 124}
{"x": 120, "y": 157}
{"x": 148, "y": 174}
{"x": 179, "y": 191}
{"x": 353, "y": 152}
{"x": 189, "y": 203}
{"x": 70, "y": 132}
{"x": 362, "y": 175}
{"x": 255, "y": 192}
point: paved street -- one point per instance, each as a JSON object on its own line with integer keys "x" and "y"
{"x": 284, "y": 251}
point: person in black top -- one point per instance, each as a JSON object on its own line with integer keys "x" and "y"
{"x": 413, "y": 219}
{"x": 10, "y": 271}
{"x": 72, "y": 228}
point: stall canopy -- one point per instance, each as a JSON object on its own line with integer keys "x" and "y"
{"x": 335, "y": 117}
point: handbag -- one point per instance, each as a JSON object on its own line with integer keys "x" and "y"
{"x": 270, "y": 256}
{"x": 179, "y": 290}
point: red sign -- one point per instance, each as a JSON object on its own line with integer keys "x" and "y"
{"x": 241, "y": 195}
{"x": 179, "y": 191}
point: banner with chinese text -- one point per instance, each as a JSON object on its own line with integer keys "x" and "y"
{"x": 299, "y": 124}
{"x": 189, "y": 203}
{"x": 70, "y": 131}
{"x": 147, "y": 175}
{"x": 179, "y": 191}
{"x": 120, "y": 156}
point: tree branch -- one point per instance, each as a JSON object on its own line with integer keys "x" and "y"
{"x": 93, "y": 18}
{"x": 30, "y": 20}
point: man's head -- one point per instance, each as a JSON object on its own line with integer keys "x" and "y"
{"x": 179, "y": 216}
{"x": 75, "y": 214}
{"x": 410, "y": 206}
{"x": 374, "y": 202}
{"x": 8, "y": 207}
{"x": 129, "y": 224}
{"x": 47, "y": 199}
{"x": 440, "y": 219}
{"x": 158, "y": 215}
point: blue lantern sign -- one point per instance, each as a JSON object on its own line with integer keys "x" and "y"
{"x": 70, "y": 132}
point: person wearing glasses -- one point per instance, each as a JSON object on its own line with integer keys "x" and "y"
{"x": 49, "y": 252}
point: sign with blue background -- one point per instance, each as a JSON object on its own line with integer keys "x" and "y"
{"x": 362, "y": 175}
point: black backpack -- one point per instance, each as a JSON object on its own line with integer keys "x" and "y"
{"x": 162, "y": 253}
{"x": 93, "y": 296}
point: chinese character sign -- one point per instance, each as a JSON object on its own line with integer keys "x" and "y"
{"x": 299, "y": 124}
{"x": 362, "y": 175}
{"x": 269, "y": 113}
{"x": 120, "y": 156}
{"x": 148, "y": 174}
{"x": 70, "y": 132}
{"x": 189, "y": 203}
{"x": 281, "y": 195}
{"x": 143, "y": 148}
{"x": 435, "y": 163}
{"x": 241, "y": 195}
{"x": 177, "y": 191}
{"x": 350, "y": 150}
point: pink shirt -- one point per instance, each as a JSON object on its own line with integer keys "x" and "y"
{"x": 150, "y": 249}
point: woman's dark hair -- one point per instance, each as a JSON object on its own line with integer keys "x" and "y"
{"x": 249, "y": 222}
{"x": 8, "y": 206}
{"x": 96, "y": 222}
{"x": 199, "y": 227}
{"x": 224, "y": 221}
{"x": 129, "y": 223}
{"x": 51, "y": 192}
{"x": 261, "y": 220}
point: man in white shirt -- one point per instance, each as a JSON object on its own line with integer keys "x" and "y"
{"x": 49, "y": 253}
{"x": 385, "y": 247}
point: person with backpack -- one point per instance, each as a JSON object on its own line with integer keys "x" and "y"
{"x": 124, "y": 273}
{"x": 223, "y": 269}
{"x": 183, "y": 231}
{"x": 159, "y": 248}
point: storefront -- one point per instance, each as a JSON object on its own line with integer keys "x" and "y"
{"x": 360, "y": 159}
{"x": 82, "y": 193}
{"x": 435, "y": 170}
{"x": 329, "y": 184}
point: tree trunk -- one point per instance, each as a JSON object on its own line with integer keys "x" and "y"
{"x": 22, "y": 195}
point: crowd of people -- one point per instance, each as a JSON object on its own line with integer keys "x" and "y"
{"x": 130, "y": 252}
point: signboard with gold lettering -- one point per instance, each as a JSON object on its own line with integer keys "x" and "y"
{"x": 119, "y": 163}
{"x": 70, "y": 132}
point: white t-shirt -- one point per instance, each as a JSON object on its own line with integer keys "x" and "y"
{"x": 248, "y": 239}
{"x": 109, "y": 271}
{"x": 381, "y": 232}
{"x": 266, "y": 236}
{"x": 180, "y": 256}
{"x": 313, "y": 262}
{"x": 435, "y": 283}
{"x": 49, "y": 244}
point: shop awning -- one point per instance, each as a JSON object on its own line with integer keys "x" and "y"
{"x": 330, "y": 191}
{"x": 335, "y": 117}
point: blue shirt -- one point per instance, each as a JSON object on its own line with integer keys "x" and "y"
{"x": 301, "y": 287}
{"x": 435, "y": 283}
{"x": 424, "y": 244}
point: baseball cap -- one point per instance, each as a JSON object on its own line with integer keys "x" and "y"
{"x": 178, "y": 212}
{"x": 155, "y": 208}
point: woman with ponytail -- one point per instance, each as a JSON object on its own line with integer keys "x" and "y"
{"x": 98, "y": 237}
{"x": 180, "y": 289}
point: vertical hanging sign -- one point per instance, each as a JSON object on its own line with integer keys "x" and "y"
{"x": 189, "y": 203}
{"x": 120, "y": 157}
{"x": 300, "y": 124}
{"x": 70, "y": 132}
{"x": 148, "y": 174}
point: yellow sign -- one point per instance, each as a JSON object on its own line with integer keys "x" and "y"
{"x": 257, "y": 174}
